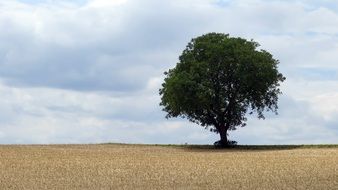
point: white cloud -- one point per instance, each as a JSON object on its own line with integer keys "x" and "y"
{"x": 105, "y": 3}
{"x": 90, "y": 71}
{"x": 44, "y": 115}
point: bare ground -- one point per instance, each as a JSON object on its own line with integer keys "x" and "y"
{"x": 112, "y": 166}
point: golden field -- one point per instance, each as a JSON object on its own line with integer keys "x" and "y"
{"x": 114, "y": 166}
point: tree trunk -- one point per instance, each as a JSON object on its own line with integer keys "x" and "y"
{"x": 224, "y": 137}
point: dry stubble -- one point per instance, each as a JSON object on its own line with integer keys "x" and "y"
{"x": 162, "y": 167}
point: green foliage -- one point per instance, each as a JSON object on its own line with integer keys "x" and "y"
{"x": 218, "y": 79}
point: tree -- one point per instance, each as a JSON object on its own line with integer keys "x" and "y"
{"x": 218, "y": 80}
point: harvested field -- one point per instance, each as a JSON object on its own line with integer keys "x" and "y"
{"x": 113, "y": 166}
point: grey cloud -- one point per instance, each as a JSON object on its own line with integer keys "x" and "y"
{"x": 86, "y": 48}
{"x": 117, "y": 48}
{"x": 81, "y": 57}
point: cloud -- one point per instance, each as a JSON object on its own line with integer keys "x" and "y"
{"x": 45, "y": 115}
{"x": 116, "y": 45}
{"x": 298, "y": 122}
{"x": 89, "y": 71}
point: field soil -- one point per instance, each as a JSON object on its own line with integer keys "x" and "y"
{"x": 113, "y": 166}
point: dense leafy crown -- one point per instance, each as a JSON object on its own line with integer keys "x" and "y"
{"x": 218, "y": 79}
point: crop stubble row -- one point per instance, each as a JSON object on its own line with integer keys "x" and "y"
{"x": 163, "y": 167}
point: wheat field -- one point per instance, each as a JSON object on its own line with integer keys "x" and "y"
{"x": 113, "y": 166}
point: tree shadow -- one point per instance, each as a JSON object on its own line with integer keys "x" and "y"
{"x": 248, "y": 148}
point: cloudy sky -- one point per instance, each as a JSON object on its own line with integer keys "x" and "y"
{"x": 88, "y": 71}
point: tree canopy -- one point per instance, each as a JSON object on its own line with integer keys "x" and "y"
{"x": 218, "y": 80}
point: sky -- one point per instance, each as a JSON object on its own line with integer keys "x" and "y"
{"x": 89, "y": 71}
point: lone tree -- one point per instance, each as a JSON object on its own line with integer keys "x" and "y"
{"x": 217, "y": 80}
